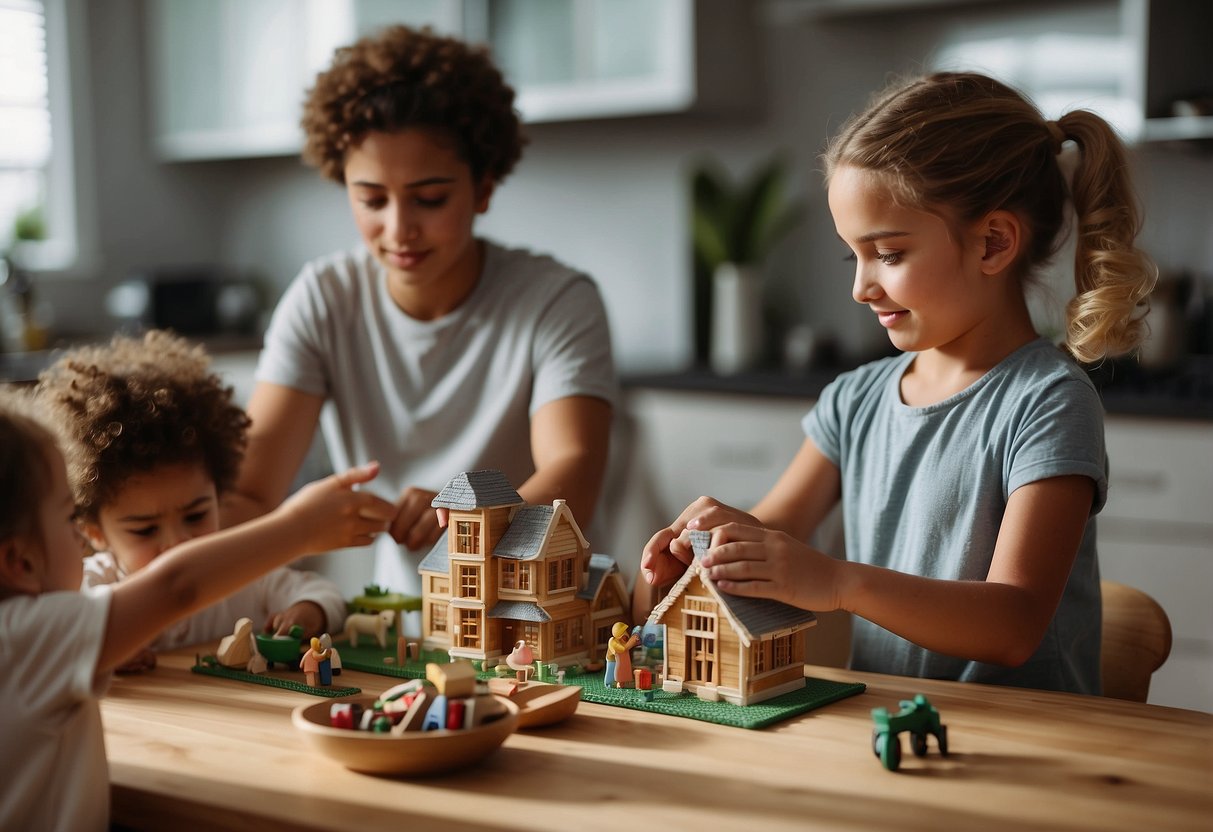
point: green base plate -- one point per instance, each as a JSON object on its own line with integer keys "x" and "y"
{"x": 273, "y": 681}
{"x": 814, "y": 694}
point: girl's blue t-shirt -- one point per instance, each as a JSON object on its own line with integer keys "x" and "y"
{"x": 924, "y": 490}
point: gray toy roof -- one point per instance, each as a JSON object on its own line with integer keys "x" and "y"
{"x": 600, "y": 567}
{"x": 436, "y": 560}
{"x": 519, "y": 611}
{"x": 524, "y": 538}
{"x": 757, "y": 617}
{"x": 477, "y": 489}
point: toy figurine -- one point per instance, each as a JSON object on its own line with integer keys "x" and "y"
{"x": 326, "y": 643}
{"x": 316, "y": 662}
{"x": 619, "y": 656}
{"x": 521, "y": 659}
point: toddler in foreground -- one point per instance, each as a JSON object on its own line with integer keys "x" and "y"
{"x": 152, "y": 442}
{"x": 60, "y": 643}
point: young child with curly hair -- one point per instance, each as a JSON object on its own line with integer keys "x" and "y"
{"x": 152, "y": 441}
{"x": 438, "y": 351}
{"x": 971, "y": 467}
{"x": 60, "y": 644}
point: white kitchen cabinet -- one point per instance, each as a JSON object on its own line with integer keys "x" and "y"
{"x": 579, "y": 59}
{"x": 674, "y": 446}
{"x": 1156, "y": 534}
{"x": 1145, "y": 65}
{"x": 228, "y": 77}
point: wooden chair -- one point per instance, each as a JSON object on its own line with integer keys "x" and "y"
{"x": 1136, "y": 641}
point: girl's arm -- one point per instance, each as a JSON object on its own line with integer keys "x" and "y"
{"x": 1000, "y": 620}
{"x": 328, "y": 514}
{"x": 283, "y": 426}
{"x": 802, "y": 497}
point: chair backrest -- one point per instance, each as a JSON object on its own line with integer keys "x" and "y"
{"x": 1136, "y": 641}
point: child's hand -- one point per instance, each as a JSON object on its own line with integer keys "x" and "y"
{"x": 144, "y": 660}
{"x": 756, "y": 562}
{"x": 416, "y": 524}
{"x": 331, "y": 514}
{"x": 307, "y": 614}
{"x": 668, "y": 553}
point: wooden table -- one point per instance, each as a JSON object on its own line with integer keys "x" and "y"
{"x": 188, "y": 752}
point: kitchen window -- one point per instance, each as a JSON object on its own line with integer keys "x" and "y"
{"x": 41, "y": 217}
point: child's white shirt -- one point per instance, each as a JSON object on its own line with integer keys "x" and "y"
{"x": 50, "y": 723}
{"x": 269, "y": 594}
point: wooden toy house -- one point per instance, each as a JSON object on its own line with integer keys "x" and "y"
{"x": 505, "y": 571}
{"x": 743, "y": 650}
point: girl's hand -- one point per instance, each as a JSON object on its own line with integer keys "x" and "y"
{"x": 307, "y": 614}
{"x": 416, "y": 524}
{"x": 668, "y": 553}
{"x": 332, "y": 514}
{"x": 754, "y": 562}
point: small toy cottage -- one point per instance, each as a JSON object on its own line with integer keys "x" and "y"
{"x": 747, "y": 649}
{"x": 505, "y": 571}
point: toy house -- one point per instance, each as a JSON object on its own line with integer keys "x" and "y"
{"x": 743, "y": 650}
{"x": 505, "y": 571}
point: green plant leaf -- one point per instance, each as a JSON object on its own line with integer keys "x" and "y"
{"x": 712, "y": 215}
{"x": 711, "y": 244}
{"x": 759, "y": 205}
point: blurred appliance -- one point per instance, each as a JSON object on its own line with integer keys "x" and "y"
{"x": 190, "y": 302}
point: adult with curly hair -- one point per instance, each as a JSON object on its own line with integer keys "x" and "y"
{"x": 439, "y": 352}
{"x": 151, "y": 439}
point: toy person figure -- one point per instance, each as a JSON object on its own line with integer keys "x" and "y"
{"x": 619, "y": 656}
{"x": 317, "y": 661}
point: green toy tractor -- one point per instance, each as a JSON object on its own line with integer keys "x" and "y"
{"x": 918, "y": 717}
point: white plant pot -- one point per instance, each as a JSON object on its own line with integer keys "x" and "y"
{"x": 736, "y": 343}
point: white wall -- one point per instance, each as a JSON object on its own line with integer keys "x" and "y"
{"x": 607, "y": 196}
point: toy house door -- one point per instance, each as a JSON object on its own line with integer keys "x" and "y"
{"x": 700, "y": 634}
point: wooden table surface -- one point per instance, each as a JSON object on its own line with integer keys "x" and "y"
{"x": 188, "y": 751}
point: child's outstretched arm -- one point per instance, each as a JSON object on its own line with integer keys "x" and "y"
{"x": 327, "y": 514}
{"x": 1000, "y": 620}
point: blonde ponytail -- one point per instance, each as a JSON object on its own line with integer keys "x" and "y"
{"x": 1112, "y": 277}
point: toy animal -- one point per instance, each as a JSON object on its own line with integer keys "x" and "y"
{"x": 367, "y": 624}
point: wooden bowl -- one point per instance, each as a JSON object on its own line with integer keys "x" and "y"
{"x": 411, "y": 753}
{"x": 540, "y": 704}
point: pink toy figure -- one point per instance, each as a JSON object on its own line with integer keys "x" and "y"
{"x": 520, "y": 659}
{"x": 619, "y": 656}
{"x": 316, "y": 661}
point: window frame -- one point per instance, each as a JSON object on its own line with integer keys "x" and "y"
{"x": 70, "y": 209}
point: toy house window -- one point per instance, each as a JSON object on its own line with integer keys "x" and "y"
{"x": 469, "y": 582}
{"x": 469, "y": 628}
{"x": 577, "y": 633}
{"x": 467, "y": 537}
{"x": 773, "y": 654}
{"x": 560, "y": 574}
{"x": 781, "y": 651}
{"x": 560, "y": 635}
{"x": 438, "y": 618}
{"x": 440, "y": 586}
{"x": 514, "y": 575}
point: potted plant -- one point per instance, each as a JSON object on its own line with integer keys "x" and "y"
{"x": 734, "y": 228}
